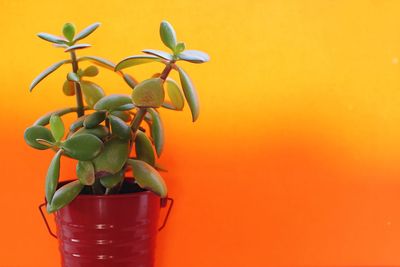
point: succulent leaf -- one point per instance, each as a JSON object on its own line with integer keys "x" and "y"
{"x": 149, "y": 93}
{"x": 168, "y": 35}
{"x": 64, "y": 195}
{"x": 38, "y": 132}
{"x": 53, "y": 173}
{"x": 190, "y": 94}
{"x": 147, "y": 177}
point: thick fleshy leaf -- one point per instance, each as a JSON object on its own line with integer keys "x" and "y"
{"x": 123, "y": 115}
{"x": 132, "y": 82}
{"x": 113, "y": 156}
{"x": 73, "y": 77}
{"x": 112, "y": 102}
{"x": 167, "y": 34}
{"x": 90, "y": 71}
{"x": 179, "y": 48}
{"x": 158, "y": 53}
{"x": 78, "y": 123}
{"x": 194, "y": 56}
{"x": 77, "y": 47}
{"x": 135, "y": 60}
{"x": 94, "y": 119}
{"x": 64, "y": 196}
{"x": 109, "y": 181}
{"x": 52, "y": 38}
{"x": 147, "y": 177}
{"x": 60, "y": 45}
{"x": 69, "y": 88}
{"x": 125, "y": 107}
{"x": 57, "y": 127}
{"x": 87, "y": 31}
{"x": 119, "y": 128}
{"x": 82, "y": 147}
{"x": 38, "y": 132}
{"x": 144, "y": 149}
{"x": 168, "y": 105}
{"x": 91, "y": 92}
{"x": 85, "y": 172}
{"x": 53, "y": 173}
{"x": 175, "y": 94}
{"x": 69, "y": 31}
{"x": 100, "y": 131}
{"x": 102, "y": 62}
{"x": 149, "y": 93}
{"x": 190, "y": 94}
{"x": 157, "y": 131}
{"x": 47, "y": 72}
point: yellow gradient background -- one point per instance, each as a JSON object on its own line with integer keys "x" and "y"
{"x": 295, "y": 157}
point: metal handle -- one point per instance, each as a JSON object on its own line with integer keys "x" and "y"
{"x": 45, "y": 220}
{"x": 171, "y": 200}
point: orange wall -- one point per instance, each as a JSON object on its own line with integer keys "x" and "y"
{"x": 295, "y": 157}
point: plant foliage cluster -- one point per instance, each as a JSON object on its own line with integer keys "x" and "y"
{"x": 109, "y": 137}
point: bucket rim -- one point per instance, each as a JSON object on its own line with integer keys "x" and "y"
{"x": 123, "y": 195}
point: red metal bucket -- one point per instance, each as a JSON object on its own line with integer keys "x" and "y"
{"x": 109, "y": 230}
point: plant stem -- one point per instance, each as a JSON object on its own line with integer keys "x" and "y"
{"x": 78, "y": 91}
{"x": 166, "y": 71}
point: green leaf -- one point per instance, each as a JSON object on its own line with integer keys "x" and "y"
{"x": 38, "y": 132}
{"x": 190, "y": 94}
{"x": 91, "y": 71}
{"x": 158, "y": 53}
{"x": 78, "y": 123}
{"x": 73, "y": 77}
{"x": 124, "y": 107}
{"x": 64, "y": 196}
{"x": 147, "y": 177}
{"x": 175, "y": 94}
{"x": 113, "y": 156}
{"x": 194, "y": 56}
{"x": 100, "y": 131}
{"x": 94, "y": 119}
{"x": 69, "y": 31}
{"x": 167, "y": 34}
{"x": 109, "y": 181}
{"x": 119, "y": 128}
{"x": 53, "y": 173}
{"x": 87, "y": 31}
{"x": 102, "y": 62}
{"x": 179, "y": 48}
{"x": 157, "y": 131}
{"x": 83, "y": 147}
{"x": 46, "y": 73}
{"x": 123, "y": 115}
{"x": 85, "y": 172}
{"x": 69, "y": 88}
{"x": 168, "y": 105}
{"x": 149, "y": 93}
{"x": 57, "y": 127}
{"x": 45, "y": 143}
{"x": 92, "y": 93}
{"x": 135, "y": 60}
{"x": 144, "y": 149}
{"x": 77, "y": 47}
{"x": 112, "y": 102}
{"x": 132, "y": 82}
{"x": 52, "y": 38}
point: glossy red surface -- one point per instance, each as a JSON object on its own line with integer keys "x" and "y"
{"x": 114, "y": 230}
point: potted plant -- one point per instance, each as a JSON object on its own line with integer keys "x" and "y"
{"x": 104, "y": 217}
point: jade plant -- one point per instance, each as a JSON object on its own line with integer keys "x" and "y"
{"x": 113, "y": 134}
